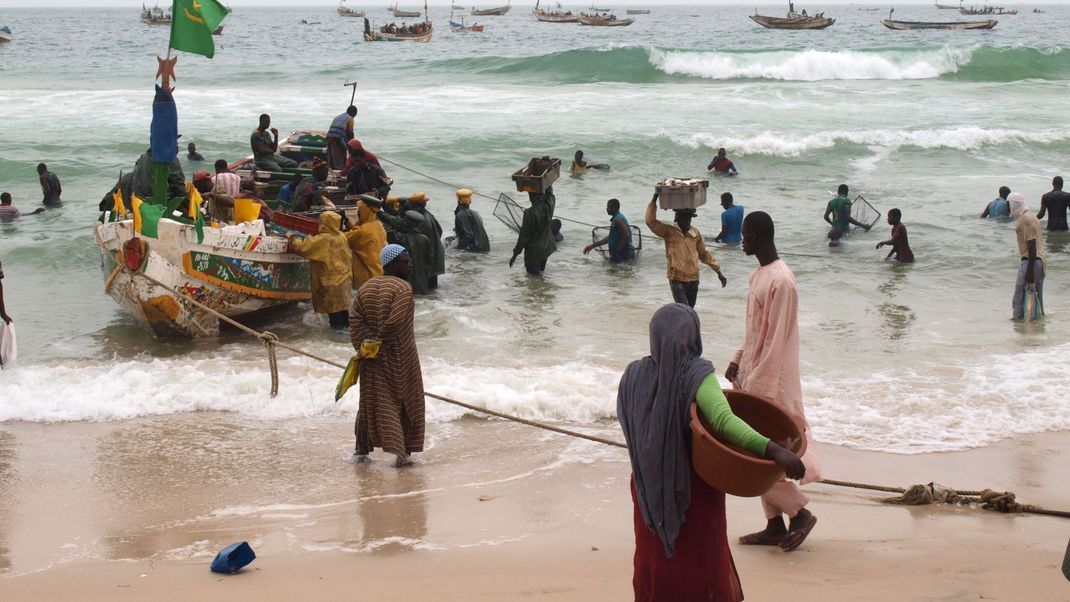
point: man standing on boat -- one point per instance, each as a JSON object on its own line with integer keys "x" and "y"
{"x": 50, "y": 186}
{"x": 768, "y": 365}
{"x": 338, "y": 136}
{"x": 265, "y": 146}
{"x": 684, "y": 248}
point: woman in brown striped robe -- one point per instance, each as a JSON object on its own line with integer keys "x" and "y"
{"x": 391, "y": 412}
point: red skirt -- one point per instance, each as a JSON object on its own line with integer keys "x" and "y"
{"x": 701, "y": 567}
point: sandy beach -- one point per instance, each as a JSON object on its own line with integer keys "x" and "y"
{"x": 136, "y": 511}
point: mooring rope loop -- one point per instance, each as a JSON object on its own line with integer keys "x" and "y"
{"x": 991, "y": 500}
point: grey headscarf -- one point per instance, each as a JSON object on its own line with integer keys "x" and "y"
{"x": 653, "y": 403}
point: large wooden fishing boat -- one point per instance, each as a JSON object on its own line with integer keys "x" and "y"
{"x": 904, "y": 25}
{"x": 402, "y": 14}
{"x": 461, "y": 27}
{"x": 237, "y": 270}
{"x": 603, "y": 20}
{"x": 498, "y": 11}
{"x": 345, "y": 11}
{"x": 793, "y": 20}
{"x": 553, "y": 16}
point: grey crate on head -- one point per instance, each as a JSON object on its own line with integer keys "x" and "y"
{"x": 601, "y": 232}
{"x": 509, "y": 212}
{"x": 865, "y": 213}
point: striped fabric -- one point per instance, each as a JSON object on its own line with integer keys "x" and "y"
{"x": 391, "y": 412}
{"x": 231, "y": 182}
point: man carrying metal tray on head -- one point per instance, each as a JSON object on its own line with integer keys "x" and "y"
{"x": 684, "y": 248}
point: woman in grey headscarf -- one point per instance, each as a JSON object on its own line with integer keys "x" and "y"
{"x": 681, "y": 545}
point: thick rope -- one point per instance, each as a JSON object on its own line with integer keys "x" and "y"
{"x": 270, "y": 339}
{"x": 1003, "y": 502}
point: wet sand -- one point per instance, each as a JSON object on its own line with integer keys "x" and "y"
{"x": 495, "y": 511}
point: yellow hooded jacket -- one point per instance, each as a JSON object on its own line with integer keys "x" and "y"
{"x": 329, "y": 254}
{"x": 366, "y": 240}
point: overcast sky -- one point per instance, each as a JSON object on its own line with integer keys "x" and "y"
{"x": 523, "y": 4}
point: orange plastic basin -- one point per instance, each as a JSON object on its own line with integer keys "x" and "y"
{"x": 732, "y": 469}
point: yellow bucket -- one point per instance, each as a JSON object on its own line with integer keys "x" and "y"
{"x": 245, "y": 210}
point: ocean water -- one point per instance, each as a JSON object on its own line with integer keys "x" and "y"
{"x": 903, "y": 359}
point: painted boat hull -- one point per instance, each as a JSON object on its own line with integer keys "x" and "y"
{"x": 347, "y": 12}
{"x": 234, "y": 273}
{"x": 792, "y": 23}
{"x": 905, "y": 25}
{"x": 5, "y": 37}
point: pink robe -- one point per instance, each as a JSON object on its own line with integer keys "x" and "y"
{"x": 769, "y": 366}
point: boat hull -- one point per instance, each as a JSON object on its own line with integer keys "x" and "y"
{"x": 403, "y": 14}
{"x": 551, "y": 17}
{"x": 378, "y": 36}
{"x": 346, "y": 12}
{"x": 595, "y": 22}
{"x": 233, "y": 272}
{"x": 906, "y": 25}
{"x": 792, "y": 23}
{"x": 491, "y": 12}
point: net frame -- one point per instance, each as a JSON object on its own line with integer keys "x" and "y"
{"x": 509, "y": 212}
{"x": 864, "y": 212}
{"x": 601, "y": 232}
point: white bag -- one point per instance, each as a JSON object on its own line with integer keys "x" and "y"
{"x": 8, "y": 346}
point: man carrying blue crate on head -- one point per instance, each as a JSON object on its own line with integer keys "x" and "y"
{"x": 684, "y": 248}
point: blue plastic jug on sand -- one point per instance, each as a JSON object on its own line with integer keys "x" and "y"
{"x": 232, "y": 558}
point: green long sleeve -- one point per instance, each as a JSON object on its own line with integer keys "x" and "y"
{"x": 714, "y": 407}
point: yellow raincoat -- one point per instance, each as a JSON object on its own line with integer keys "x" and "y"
{"x": 329, "y": 254}
{"x": 366, "y": 240}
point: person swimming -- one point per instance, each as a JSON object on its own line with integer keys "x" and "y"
{"x": 579, "y": 165}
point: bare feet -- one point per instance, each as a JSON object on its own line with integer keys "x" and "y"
{"x": 799, "y": 527}
{"x": 772, "y": 535}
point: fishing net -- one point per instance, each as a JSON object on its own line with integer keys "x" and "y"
{"x": 599, "y": 233}
{"x": 865, "y": 213}
{"x": 509, "y": 212}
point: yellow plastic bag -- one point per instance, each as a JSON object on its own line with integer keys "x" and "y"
{"x": 369, "y": 348}
{"x": 349, "y": 378}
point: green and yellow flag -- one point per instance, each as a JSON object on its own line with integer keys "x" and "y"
{"x": 192, "y": 24}
{"x": 146, "y": 217}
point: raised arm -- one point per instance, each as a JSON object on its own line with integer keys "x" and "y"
{"x": 657, "y": 227}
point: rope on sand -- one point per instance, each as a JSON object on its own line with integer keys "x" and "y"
{"x": 990, "y": 499}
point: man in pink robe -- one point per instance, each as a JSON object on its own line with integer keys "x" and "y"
{"x": 768, "y": 365}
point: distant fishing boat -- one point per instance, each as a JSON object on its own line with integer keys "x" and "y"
{"x": 418, "y": 32}
{"x": 905, "y": 25}
{"x": 794, "y": 20}
{"x": 345, "y": 11}
{"x": 460, "y": 27}
{"x": 948, "y": 6}
{"x": 987, "y": 10}
{"x": 491, "y": 12}
{"x": 155, "y": 16}
{"x": 595, "y": 9}
{"x": 638, "y": 11}
{"x": 553, "y": 16}
{"x": 403, "y": 13}
{"x": 603, "y": 20}
{"x": 5, "y": 34}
